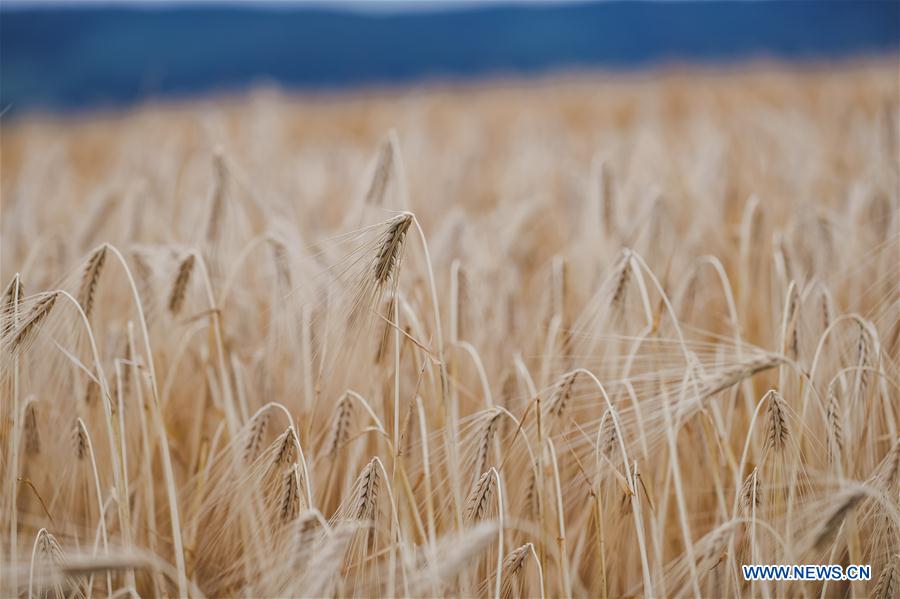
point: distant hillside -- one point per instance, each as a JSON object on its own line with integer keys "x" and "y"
{"x": 58, "y": 58}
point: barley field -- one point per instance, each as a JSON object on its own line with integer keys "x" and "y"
{"x": 583, "y": 337}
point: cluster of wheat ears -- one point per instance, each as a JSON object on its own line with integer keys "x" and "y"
{"x": 583, "y": 338}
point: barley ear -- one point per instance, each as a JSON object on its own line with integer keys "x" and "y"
{"x": 513, "y": 568}
{"x": 80, "y": 439}
{"x": 11, "y": 302}
{"x": 391, "y": 248}
{"x": 750, "y": 495}
{"x": 255, "y": 435}
{"x": 562, "y": 394}
{"x": 622, "y": 277}
{"x": 480, "y": 496}
{"x": 777, "y": 431}
{"x": 888, "y": 585}
{"x": 290, "y": 498}
{"x": 217, "y": 201}
{"x": 32, "y": 433}
{"x": 179, "y": 288}
{"x": 381, "y": 176}
{"x": 31, "y": 323}
{"x": 835, "y": 428}
{"x": 13, "y": 294}
{"x": 89, "y": 279}
{"x": 485, "y": 436}
{"x": 340, "y": 427}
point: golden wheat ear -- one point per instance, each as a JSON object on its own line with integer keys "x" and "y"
{"x": 382, "y": 273}
{"x": 31, "y": 322}
{"x": 13, "y": 293}
{"x": 281, "y": 262}
{"x": 291, "y": 497}
{"x": 179, "y": 287}
{"x": 339, "y": 435}
{"x": 835, "y": 417}
{"x": 89, "y": 279}
{"x": 365, "y": 502}
{"x": 484, "y": 439}
{"x": 258, "y": 427}
{"x": 390, "y": 250}
{"x": 10, "y": 306}
{"x": 888, "y": 584}
{"x": 384, "y": 164}
{"x": 47, "y": 560}
{"x": 480, "y": 496}
{"x": 513, "y": 569}
{"x": 217, "y": 198}
{"x": 562, "y": 394}
{"x": 777, "y": 430}
{"x": 286, "y": 449}
{"x": 750, "y": 495}
{"x": 32, "y": 432}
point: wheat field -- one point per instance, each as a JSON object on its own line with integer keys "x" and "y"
{"x": 583, "y": 337}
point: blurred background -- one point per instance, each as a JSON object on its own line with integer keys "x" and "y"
{"x": 77, "y": 56}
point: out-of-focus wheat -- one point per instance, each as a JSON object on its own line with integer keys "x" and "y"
{"x": 674, "y": 329}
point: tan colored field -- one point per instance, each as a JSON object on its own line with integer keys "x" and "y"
{"x": 589, "y": 338}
